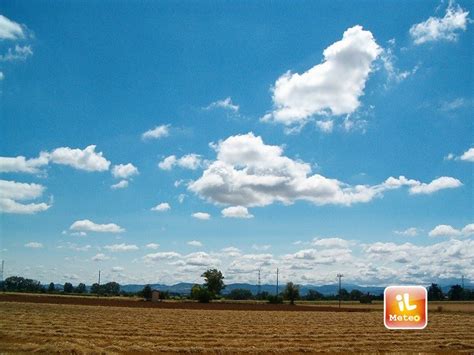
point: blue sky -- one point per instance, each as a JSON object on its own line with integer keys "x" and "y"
{"x": 153, "y": 140}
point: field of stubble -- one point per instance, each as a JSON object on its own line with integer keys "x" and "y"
{"x": 76, "y": 328}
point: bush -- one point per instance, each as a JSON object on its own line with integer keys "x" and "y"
{"x": 273, "y": 299}
{"x": 201, "y": 294}
{"x": 239, "y": 294}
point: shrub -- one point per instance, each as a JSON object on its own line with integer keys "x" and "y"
{"x": 273, "y": 299}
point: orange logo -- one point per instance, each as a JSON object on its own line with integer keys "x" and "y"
{"x": 405, "y": 307}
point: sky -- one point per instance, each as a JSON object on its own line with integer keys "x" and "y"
{"x": 154, "y": 140}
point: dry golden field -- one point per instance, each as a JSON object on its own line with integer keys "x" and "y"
{"x": 77, "y": 328}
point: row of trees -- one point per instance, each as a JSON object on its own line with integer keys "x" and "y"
{"x": 213, "y": 287}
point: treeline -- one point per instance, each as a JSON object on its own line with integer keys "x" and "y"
{"x": 213, "y": 287}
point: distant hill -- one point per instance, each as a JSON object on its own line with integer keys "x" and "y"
{"x": 185, "y": 288}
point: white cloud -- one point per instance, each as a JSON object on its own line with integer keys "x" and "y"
{"x": 100, "y": 257}
{"x": 114, "y": 248}
{"x": 89, "y": 226}
{"x": 124, "y": 171}
{"x": 249, "y": 173}
{"x": 445, "y": 230}
{"x": 225, "y": 104}
{"x": 153, "y": 246}
{"x": 201, "y": 215}
{"x": 409, "y": 232}
{"x": 236, "y": 212}
{"x": 441, "y": 183}
{"x": 17, "y": 53}
{"x": 189, "y": 161}
{"x": 2, "y": 76}
{"x": 162, "y": 207}
{"x": 33, "y": 245}
{"x": 157, "y": 132}
{"x": 447, "y": 28}
{"x": 87, "y": 159}
{"x": 161, "y": 256}
{"x": 320, "y": 90}
{"x": 122, "y": 184}
{"x": 10, "y": 29}
{"x": 468, "y": 155}
{"x": 330, "y": 242}
{"x": 194, "y": 243}
{"x": 11, "y": 192}
{"x": 325, "y": 126}
{"x": 117, "y": 269}
{"x": 22, "y": 165}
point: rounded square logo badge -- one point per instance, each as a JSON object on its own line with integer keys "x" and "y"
{"x": 405, "y": 307}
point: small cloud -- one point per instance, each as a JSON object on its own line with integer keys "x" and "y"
{"x": 225, "y": 104}
{"x": 410, "y": 232}
{"x": 194, "y": 243}
{"x": 447, "y": 28}
{"x": 10, "y": 30}
{"x": 100, "y": 257}
{"x": 117, "y": 269}
{"x": 89, "y": 226}
{"x": 33, "y": 245}
{"x": 201, "y": 215}
{"x": 189, "y": 161}
{"x": 123, "y": 184}
{"x": 468, "y": 156}
{"x": 236, "y": 212}
{"x": 325, "y": 126}
{"x": 124, "y": 171}
{"x": 17, "y": 53}
{"x": 181, "y": 198}
{"x": 445, "y": 230}
{"x": 157, "y": 132}
{"x": 162, "y": 207}
{"x": 121, "y": 247}
{"x": 153, "y": 246}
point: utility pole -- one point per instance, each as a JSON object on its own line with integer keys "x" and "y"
{"x": 258, "y": 285}
{"x": 277, "y": 284}
{"x": 339, "y": 276}
{"x": 99, "y": 278}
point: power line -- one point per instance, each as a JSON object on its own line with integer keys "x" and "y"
{"x": 339, "y": 276}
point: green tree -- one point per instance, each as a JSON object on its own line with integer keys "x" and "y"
{"x": 112, "y": 288}
{"x": 344, "y": 294}
{"x": 455, "y": 293}
{"x": 68, "y": 288}
{"x": 200, "y": 293}
{"x": 214, "y": 281}
{"x": 51, "y": 287}
{"x": 355, "y": 295}
{"x": 96, "y": 288}
{"x": 314, "y": 295}
{"x": 435, "y": 293}
{"x": 291, "y": 292}
{"x": 146, "y": 292}
{"x": 81, "y": 288}
{"x": 239, "y": 294}
{"x": 20, "y": 284}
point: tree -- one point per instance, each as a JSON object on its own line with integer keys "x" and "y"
{"x": 81, "y": 288}
{"x": 68, "y": 288}
{"x": 344, "y": 294}
{"x": 200, "y": 293}
{"x": 96, "y": 288}
{"x": 214, "y": 281}
{"x": 20, "y": 284}
{"x": 240, "y": 294}
{"x": 51, "y": 287}
{"x": 355, "y": 295}
{"x": 146, "y": 292}
{"x": 455, "y": 293}
{"x": 314, "y": 295}
{"x": 112, "y": 288}
{"x": 435, "y": 293}
{"x": 291, "y": 292}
